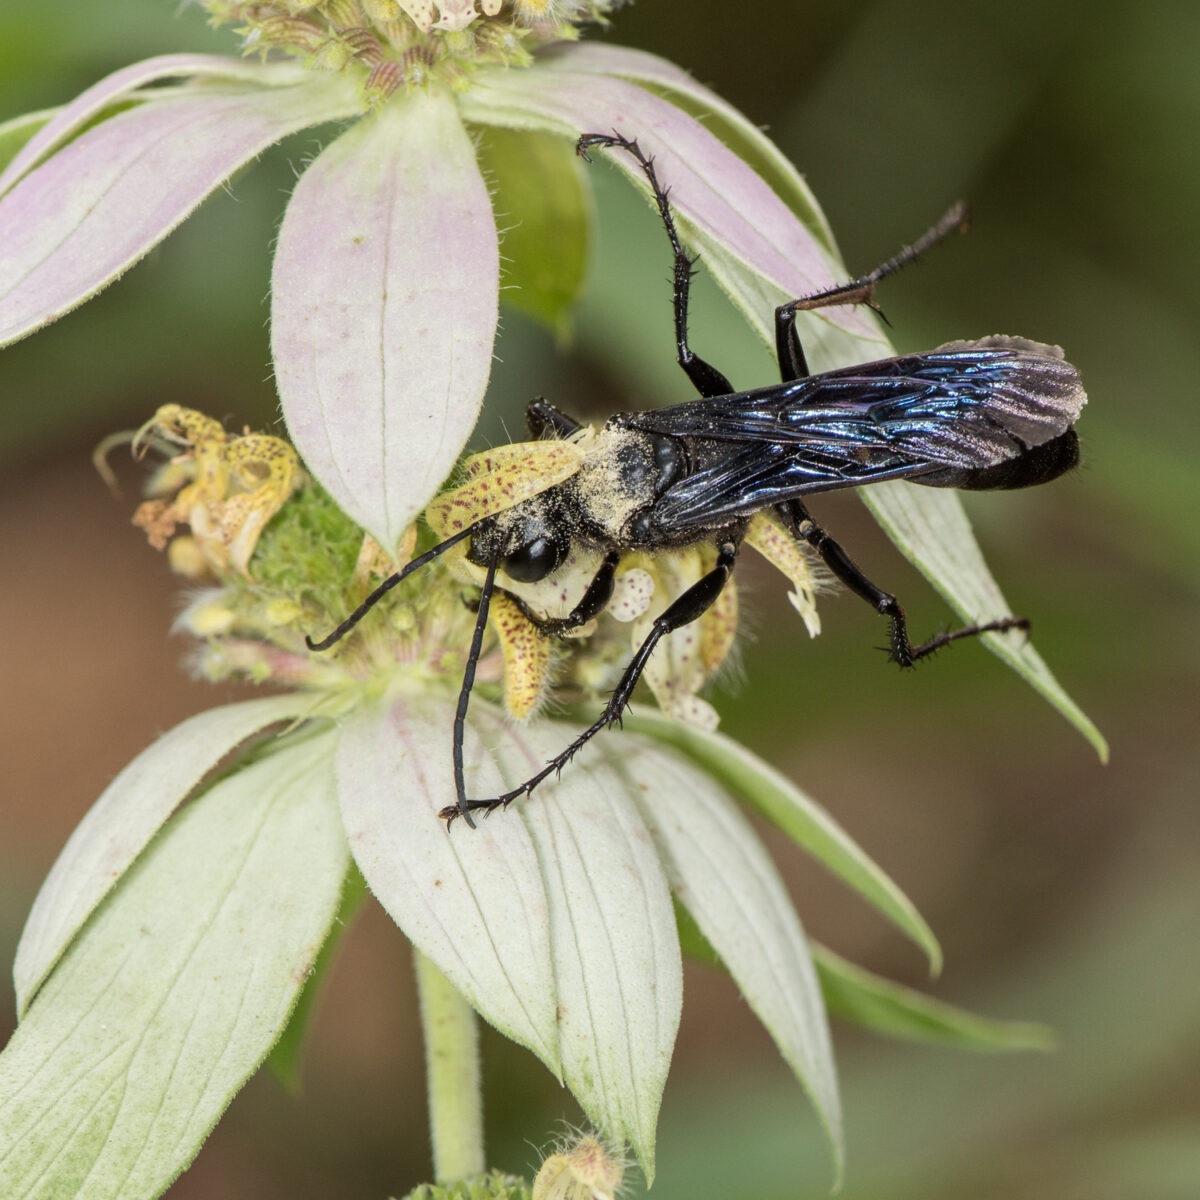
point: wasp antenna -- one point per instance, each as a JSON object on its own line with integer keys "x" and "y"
{"x": 464, "y": 694}
{"x": 383, "y": 589}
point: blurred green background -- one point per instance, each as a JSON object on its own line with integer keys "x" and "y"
{"x": 1063, "y": 891}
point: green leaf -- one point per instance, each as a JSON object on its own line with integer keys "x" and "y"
{"x": 177, "y": 987}
{"x": 931, "y": 529}
{"x": 857, "y": 995}
{"x": 284, "y": 1060}
{"x": 545, "y": 220}
{"x": 692, "y": 941}
{"x": 805, "y": 821}
{"x": 891, "y": 1009}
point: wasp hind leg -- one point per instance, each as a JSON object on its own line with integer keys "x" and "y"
{"x": 792, "y": 363}
{"x": 685, "y": 609}
{"x": 706, "y": 379}
{"x": 903, "y": 652}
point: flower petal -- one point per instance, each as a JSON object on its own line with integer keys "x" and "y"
{"x": 556, "y": 910}
{"x": 725, "y": 879}
{"x": 472, "y": 901}
{"x": 740, "y": 134}
{"x": 384, "y": 310}
{"x": 175, "y": 991}
{"x": 17, "y": 133}
{"x": 120, "y": 87}
{"x": 801, "y": 818}
{"x": 931, "y": 529}
{"x": 617, "y": 962}
{"x": 73, "y": 224}
{"x": 749, "y": 239}
{"x": 127, "y": 815}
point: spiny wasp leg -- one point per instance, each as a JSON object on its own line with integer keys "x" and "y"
{"x": 591, "y": 604}
{"x": 792, "y": 363}
{"x": 685, "y": 609}
{"x": 706, "y": 379}
{"x": 463, "y": 807}
{"x": 903, "y": 652}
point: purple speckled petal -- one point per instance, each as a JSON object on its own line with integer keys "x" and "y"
{"x": 384, "y": 310}
{"x": 73, "y": 224}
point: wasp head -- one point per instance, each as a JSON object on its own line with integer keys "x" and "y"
{"x": 528, "y": 541}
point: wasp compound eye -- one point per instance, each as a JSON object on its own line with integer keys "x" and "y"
{"x": 533, "y": 561}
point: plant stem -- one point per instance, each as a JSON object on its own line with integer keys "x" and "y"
{"x": 452, "y": 1074}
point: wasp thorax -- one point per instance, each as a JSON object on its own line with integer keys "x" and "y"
{"x": 620, "y": 478}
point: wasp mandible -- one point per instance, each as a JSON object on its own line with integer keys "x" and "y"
{"x": 734, "y": 467}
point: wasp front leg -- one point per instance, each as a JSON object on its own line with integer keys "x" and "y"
{"x": 545, "y": 419}
{"x": 590, "y": 605}
{"x": 682, "y": 611}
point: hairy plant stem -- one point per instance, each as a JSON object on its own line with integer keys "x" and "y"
{"x": 452, "y": 1075}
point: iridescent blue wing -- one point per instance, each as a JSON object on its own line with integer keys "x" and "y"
{"x": 937, "y": 418}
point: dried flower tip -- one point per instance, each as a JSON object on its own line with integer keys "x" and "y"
{"x": 226, "y": 488}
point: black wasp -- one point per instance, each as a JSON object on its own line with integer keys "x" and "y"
{"x": 987, "y": 414}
